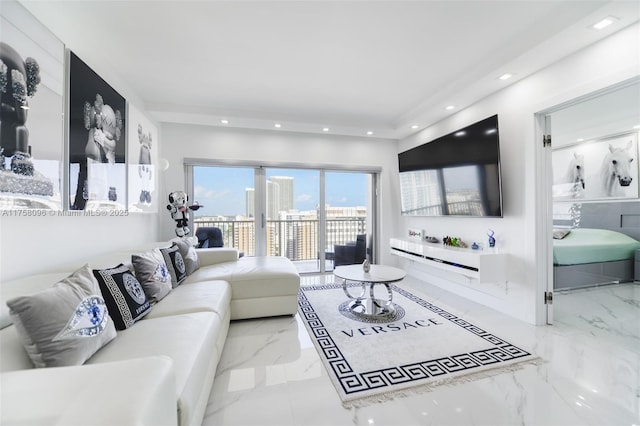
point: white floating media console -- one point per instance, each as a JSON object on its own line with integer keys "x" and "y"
{"x": 483, "y": 265}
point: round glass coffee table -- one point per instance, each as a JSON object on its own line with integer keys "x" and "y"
{"x": 368, "y": 305}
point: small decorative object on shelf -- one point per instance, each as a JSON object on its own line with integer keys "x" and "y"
{"x": 431, "y": 239}
{"x": 475, "y": 246}
{"x": 492, "y": 241}
{"x": 415, "y": 233}
{"x": 454, "y": 242}
{"x": 366, "y": 266}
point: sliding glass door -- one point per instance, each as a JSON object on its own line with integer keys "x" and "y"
{"x": 348, "y": 210}
{"x": 298, "y": 213}
{"x": 228, "y": 200}
{"x": 292, "y": 199}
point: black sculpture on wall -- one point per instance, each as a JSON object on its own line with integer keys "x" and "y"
{"x": 19, "y": 79}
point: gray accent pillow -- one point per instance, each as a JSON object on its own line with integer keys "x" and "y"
{"x": 189, "y": 255}
{"x": 175, "y": 263}
{"x": 153, "y": 274}
{"x": 65, "y": 324}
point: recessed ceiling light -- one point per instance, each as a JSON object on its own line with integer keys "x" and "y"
{"x": 505, "y": 76}
{"x": 415, "y": 126}
{"x": 460, "y": 133}
{"x": 325, "y": 129}
{"x": 490, "y": 131}
{"x": 369, "y": 133}
{"x": 604, "y": 23}
{"x": 580, "y": 140}
{"x": 277, "y": 125}
{"x": 223, "y": 121}
{"x": 450, "y": 107}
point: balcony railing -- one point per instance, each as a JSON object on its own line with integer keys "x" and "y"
{"x": 294, "y": 239}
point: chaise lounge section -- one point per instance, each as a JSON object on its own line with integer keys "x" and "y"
{"x": 168, "y": 358}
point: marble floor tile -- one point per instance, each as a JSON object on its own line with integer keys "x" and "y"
{"x": 271, "y": 374}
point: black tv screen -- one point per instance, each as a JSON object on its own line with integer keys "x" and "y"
{"x": 455, "y": 175}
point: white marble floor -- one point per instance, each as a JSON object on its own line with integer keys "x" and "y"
{"x": 270, "y": 373}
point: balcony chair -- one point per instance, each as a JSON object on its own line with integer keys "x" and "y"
{"x": 209, "y": 237}
{"x": 352, "y": 253}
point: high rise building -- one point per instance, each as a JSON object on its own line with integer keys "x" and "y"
{"x": 250, "y": 202}
{"x": 299, "y": 234}
{"x": 273, "y": 200}
{"x": 285, "y": 193}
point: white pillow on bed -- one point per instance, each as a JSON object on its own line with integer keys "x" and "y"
{"x": 559, "y": 234}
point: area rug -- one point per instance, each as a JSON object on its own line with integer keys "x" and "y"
{"x": 414, "y": 349}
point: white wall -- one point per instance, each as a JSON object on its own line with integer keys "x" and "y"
{"x": 229, "y": 144}
{"x": 608, "y": 62}
{"x": 31, "y": 244}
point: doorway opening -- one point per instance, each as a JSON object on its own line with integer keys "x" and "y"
{"x": 584, "y": 216}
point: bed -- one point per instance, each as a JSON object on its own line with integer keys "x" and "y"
{"x": 584, "y": 257}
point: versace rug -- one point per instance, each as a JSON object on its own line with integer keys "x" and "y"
{"x": 411, "y": 350}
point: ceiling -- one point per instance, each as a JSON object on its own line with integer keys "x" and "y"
{"x": 349, "y": 66}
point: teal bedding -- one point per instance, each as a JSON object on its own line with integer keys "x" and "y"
{"x": 585, "y": 245}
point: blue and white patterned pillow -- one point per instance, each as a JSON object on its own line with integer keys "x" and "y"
{"x": 65, "y": 324}
{"x": 152, "y": 272}
{"x": 188, "y": 253}
{"x": 175, "y": 263}
{"x": 123, "y": 294}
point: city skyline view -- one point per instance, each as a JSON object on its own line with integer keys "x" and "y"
{"x": 222, "y": 190}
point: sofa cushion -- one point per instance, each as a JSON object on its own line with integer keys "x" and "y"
{"x": 13, "y": 355}
{"x": 218, "y": 271}
{"x": 65, "y": 324}
{"x": 152, "y": 273}
{"x": 189, "y": 256}
{"x": 212, "y": 256}
{"x": 264, "y": 276}
{"x": 175, "y": 263}
{"x": 123, "y": 295}
{"x": 140, "y": 391}
{"x": 206, "y": 296}
{"x": 189, "y": 340}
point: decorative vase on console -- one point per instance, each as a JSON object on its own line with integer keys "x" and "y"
{"x": 492, "y": 240}
{"x": 366, "y": 266}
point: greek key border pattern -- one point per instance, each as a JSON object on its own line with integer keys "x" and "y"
{"x": 353, "y": 382}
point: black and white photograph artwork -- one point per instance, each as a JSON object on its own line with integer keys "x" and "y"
{"x": 599, "y": 169}
{"x": 97, "y": 141}
{"x": 143, "y": 161}
{"x": 31, "y": 125}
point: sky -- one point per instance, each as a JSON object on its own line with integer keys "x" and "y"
{"x": 221, "y": 190}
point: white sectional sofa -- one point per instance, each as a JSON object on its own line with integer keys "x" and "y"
{"x": 160, "y": 370}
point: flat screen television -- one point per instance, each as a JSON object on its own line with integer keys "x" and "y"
{"x": 455, "y": 175}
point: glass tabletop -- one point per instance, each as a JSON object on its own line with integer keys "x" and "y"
{"x": 376, "y": 274}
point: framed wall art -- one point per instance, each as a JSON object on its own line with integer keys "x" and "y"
{"x": 31, "y": 107}
{"x": 97, "y": 141}
{"x": 143, "y": 163}
{"x": 599, "y": 169}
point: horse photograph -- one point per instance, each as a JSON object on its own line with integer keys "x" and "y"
{"x": 597, "y": 169}
{"x": 568, "y": 182}
{"x": 616, "y": 171}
